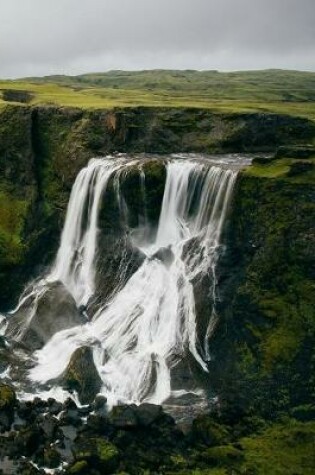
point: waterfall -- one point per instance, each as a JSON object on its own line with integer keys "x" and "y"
{"x": 149, "y": 324}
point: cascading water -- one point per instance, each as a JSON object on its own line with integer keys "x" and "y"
{"x": 148, "y": 325}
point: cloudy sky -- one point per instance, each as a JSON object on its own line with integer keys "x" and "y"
{"x": 40, "y": 37}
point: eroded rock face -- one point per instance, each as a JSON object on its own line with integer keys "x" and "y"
{"x": 116, "y": 262}
{"x": 37, "y": 321}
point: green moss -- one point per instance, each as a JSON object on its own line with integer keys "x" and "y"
{"x": 12, "y": 216}
{"x": 82, "y": 376}
{"x": 264, "y": 359}
{"x": 226, "y": 455}
{"x": 284, "y": 448}
{"x": 275, "y": 169}
{"x": 7, "y": 398}
{"x": 98, "y": 453}
{"x": 78, "y": 468}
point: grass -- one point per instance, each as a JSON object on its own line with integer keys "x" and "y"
{"x": 274, "y": 169}
{"x": 284, "y": 448}
{"x": 287, "y": 92}
{"x": 280, "y": 168}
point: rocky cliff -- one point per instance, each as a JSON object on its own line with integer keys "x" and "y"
{"x": 42, "y": 149}
{"x": 263, "y": 348}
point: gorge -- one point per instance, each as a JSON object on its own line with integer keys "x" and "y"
{"x": 161, "y": 248}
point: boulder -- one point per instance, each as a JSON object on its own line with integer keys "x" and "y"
{"x": 165, "y": 255}
{"x": 117, "y": 260}
{"x": 82, "y": 376}
{"x": 28, "y": 441}
{"x": 49, "y": 425}
{"x": 43, "y": 316}
{"x": 147, "y": 414}
{"x": 98, "y": 453}
{"x": 99, "y": 404}
{"x": 124, "y": 417}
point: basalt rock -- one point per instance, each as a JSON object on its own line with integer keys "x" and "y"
{"x": 81, "y": 375}
{"x": 37, "y": 320}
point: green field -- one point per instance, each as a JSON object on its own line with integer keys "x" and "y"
{"x": 275, "y": 91}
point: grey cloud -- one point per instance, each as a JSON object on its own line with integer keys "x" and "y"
{"x": 73, "y": 36}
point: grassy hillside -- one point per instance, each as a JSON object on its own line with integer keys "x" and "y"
{"x": 288, "y": 92}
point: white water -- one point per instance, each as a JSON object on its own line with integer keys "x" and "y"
{"x": 150, "y": 324}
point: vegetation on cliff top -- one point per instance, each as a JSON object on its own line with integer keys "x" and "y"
{"x": 275, "y": 91}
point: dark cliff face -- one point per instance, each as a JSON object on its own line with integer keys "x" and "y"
{"x": 263, "y": 350}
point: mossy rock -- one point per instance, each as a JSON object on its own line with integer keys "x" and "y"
{"x": 52, "y": 458}
{"x": 98, "y": 453}
{"x": 7, "y": 398}
{"x": 264, "y": 344}
{"x": 206, "y": 431}
{"x": 81, "y": 375}
{"x": 53, "y": 311}
{"x": 79, "y": 468}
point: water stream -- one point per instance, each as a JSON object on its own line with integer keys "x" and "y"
{"x": 148, "y": 326}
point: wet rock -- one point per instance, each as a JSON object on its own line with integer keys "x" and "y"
{"x": 124, "y": 417}
{"x": 54, "y": 407}
{"x": 69, "y": 404}
{"x": 28, "y": 441}
{"x": 7, "y": 405}
{"x": 49, "y": 426}
{"x": 98, "y": 424}
{"x": 164, "y": 255}
{"x": 81, "y": 375}
{"x": 147, "y": 414}
{"x": 99, "y": 404}
{"x": 116, "y": 262}
{"x": 39, "y": 405}
{"x": 54, "y": 310}
{"x": 25, "y": 411}
{"x": 70, "y": 417}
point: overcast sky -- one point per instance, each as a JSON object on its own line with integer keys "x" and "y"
{"x": 40, "y": 37}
